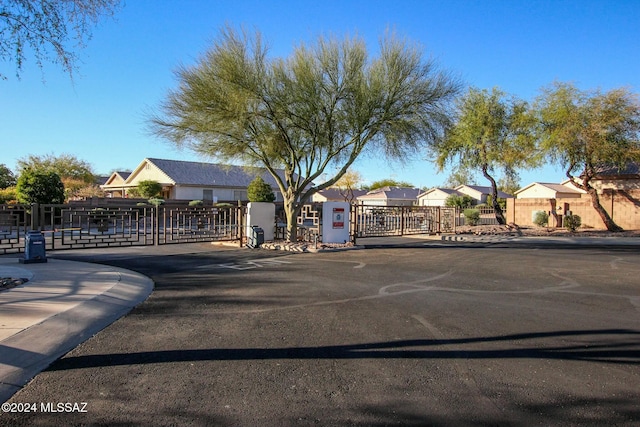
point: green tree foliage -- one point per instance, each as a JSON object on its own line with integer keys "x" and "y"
{"x": 259, "y": 191}
{"x": 48, "y": 29}
{"x": 388, "y": 183}
{"x": 460, "y": 176}
{"x": 8, "y": 195}
{"x": 459, "y": 201}
{"x": 66, "y": 166}
{"x": 316, "y": 110}
{"x": 583, "y": 131}
{"x": 7, "y": 178}
{"x": 350, "y": 181}
{"x": 493, "y": 132}
{"x": 76, "y": 175}
{"x": 149, "y": 189}
{"x": 39, "y": 187}
{"x": 510, "y": 182}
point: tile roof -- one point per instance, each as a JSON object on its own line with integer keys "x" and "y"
{"x": 337, "y": 194}
{"x": 631, "y": 168}
{"x": 207, "y": 174}
{"x": 485, "y": 190}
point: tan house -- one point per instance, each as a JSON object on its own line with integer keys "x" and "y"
{"x": 182, "y": 180}
{"x": 480, "y": 193}
{"x": 436, "y": 196}
{"x": 116, "y": 183}
{"x": 545, "y": 190}
{"x": 336, "y": 195}
{"x": 390, "y": 196}
{"x": 619, "y": 192}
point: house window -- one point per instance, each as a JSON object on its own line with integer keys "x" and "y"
{"x": 207, "y": 195}
{"x": 240, "y": 195}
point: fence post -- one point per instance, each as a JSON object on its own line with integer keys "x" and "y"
{"x": 156, "y": 220}
{"x": 35, "y": 216}
{"x": 240, "y": 221}
{"x": 353, "y": 222}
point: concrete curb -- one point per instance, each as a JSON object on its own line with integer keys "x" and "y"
{"x": 27, "y": 353}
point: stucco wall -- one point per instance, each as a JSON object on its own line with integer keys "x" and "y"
{"x": 624, "y": 206}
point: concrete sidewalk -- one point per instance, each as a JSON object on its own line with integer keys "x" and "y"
{"x": 62, "y": 304}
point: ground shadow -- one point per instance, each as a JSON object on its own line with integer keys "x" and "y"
{"x": 613, "y": 346}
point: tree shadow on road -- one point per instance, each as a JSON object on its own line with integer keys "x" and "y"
{"x": 612, "y": 346}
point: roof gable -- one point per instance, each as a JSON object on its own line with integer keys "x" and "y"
{"x": 118, "y": 177}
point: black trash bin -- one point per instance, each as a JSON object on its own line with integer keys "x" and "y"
{"x": 256, "y": 237}
{"x": 34, "y": 248}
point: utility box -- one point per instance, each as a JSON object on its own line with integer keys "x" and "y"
{"x": 255, "y": 237}
{"x": 34, "y": 248}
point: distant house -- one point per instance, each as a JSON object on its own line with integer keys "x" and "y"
{"x": 182, "y": 180}
{"x": 436, "y": 196}
{"x": 115, "y": 185}
{"x": 615, "y": 178}
{"x": 337, "y": 195}
{"x": 618, "y": 189}
{"x": 545, "y": 190}
{"x": 391, "y": 196}
{"x": 479, "y": 193}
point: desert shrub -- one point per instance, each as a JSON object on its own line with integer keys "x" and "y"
{"x": 156, "y": 201}
{"x": 39, "y": 187}
{"x": 572, "y": 222}
{"x": 541, "y": 218}
{"x": 8, "y": 195}
{"x": 459, "y": 201}
{"x": 472, "y": 216}
{"x": 149, "y": 189}
{"x": 259, "y": 191}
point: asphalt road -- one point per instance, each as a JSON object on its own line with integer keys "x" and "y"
{"x": 397, "y": 336}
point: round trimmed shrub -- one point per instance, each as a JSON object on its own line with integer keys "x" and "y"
{"x": 541, "y": 218}
{"x": 472, "y": 216}
{"x": 572, "y": 222}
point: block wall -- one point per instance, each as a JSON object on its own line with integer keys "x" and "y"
{"x": 623, "y": 205}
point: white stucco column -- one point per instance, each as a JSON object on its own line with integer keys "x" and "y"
{"x": 263, "y": 215}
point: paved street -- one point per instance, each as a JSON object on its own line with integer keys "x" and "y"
{"x": 421, "y": 335}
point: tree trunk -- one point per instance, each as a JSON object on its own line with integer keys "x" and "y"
{"x": 291, "y": 210}
{"x": 604, "y": 215}
{"x": 494, "y": 197}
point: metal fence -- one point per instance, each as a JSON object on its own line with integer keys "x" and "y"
{"x": 72, "y": 226}
{"x": 487, "y": 216}
{"x": 75, "y": 227}
{"x": 380, "y": 221}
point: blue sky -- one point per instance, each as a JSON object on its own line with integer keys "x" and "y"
{"x": 127, "y": 67}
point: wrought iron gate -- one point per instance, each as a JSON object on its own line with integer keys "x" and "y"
{"x": 75, "y": 227}
{"x": 378, "y": 221}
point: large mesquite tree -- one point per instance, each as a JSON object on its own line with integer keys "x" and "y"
{"x": 313, "y": 111}
{"x": 493, "y": 132}
{"x": 585, "y": 131}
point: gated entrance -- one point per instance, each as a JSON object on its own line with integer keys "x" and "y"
{"x": 378, "y": 221}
